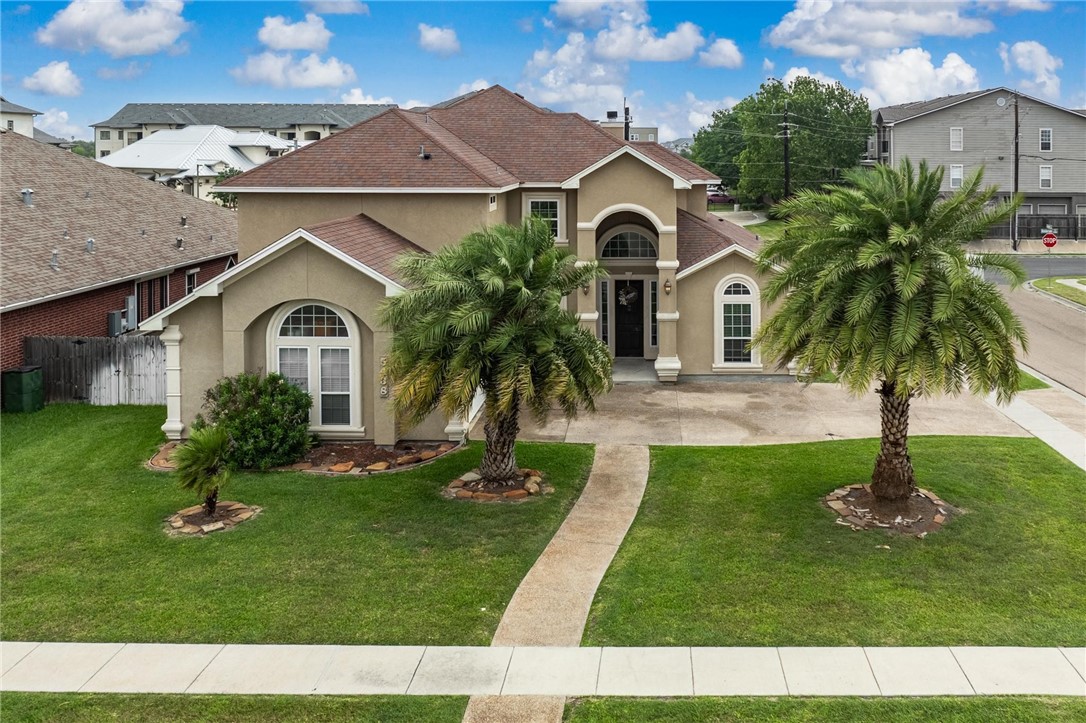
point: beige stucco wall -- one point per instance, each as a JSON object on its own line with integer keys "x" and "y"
{"x": 696, "y": 325}
{"x": 430, "y": 220}
{"x": 264, "y": 218}
{"x": 626, "y": 180}
{"x": 201, "y": 353}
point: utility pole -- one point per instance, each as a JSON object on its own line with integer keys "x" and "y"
{"x": 787, "y": 167}
{"x": 1014, "y": 222}
{"x": 626, "y": 120}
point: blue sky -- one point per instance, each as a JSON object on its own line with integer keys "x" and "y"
{"x": 79, "y": 62}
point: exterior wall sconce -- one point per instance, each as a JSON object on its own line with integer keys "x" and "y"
{"x": 667, "y": 287}
{"x": 585, "y": 289}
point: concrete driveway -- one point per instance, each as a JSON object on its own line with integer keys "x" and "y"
{"x": 735, "y": 413}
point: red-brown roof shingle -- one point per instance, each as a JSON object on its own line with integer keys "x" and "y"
{"x": 698, "y": 238}
{"x": 367, "y": 241}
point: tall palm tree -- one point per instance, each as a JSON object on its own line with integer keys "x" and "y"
{"x": 876, "y": 286}
{"x": 486, "y": 314}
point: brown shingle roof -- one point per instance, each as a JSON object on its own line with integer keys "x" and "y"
{"x": 699, "y": 238}
{"x": 489, "y": 139}
{"x": 88, "y": 199}
{"x": 382, "y": 152}
{"x": 365, "y": 240}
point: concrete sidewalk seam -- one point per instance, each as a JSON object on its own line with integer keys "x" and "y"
{"x": 784, "y": 673}
{"x": 962, "y": 668}
{"x": 100, "y": 667}
{"x": 209, "y": 662}
{"x": 425, "y": 649}
{"x": 1063, "y": 651}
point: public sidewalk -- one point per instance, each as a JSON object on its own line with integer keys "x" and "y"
{"x": 535, "y": 671}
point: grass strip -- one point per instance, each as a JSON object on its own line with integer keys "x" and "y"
{"x": 1053, "y": 286}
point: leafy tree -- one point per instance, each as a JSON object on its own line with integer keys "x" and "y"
{"x": 717, "y": 147}
{"x": 486, "y": 314}
{"x": 876, "y": 287}
{"x": 828, "y": 126}
{"x": 202, "y": 464}
{"x": 83, "y": 148}
{"x": 229, "y": 200}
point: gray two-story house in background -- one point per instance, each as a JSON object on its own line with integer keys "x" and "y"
{"x": 964, "y": 132}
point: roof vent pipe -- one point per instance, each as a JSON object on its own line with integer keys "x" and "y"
{"x": 28, "y": 196}
{"x": 184, "y": 221}
{"x": 423, "y": 154}
{"x": 179, "y": 243}
{"x": 54, "y": 261}
{"x": 90, "y": 246}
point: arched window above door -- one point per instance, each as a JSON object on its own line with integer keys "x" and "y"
{"x": 628, "y": 244}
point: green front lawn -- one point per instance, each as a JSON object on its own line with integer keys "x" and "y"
{"x": 730, "y": 547}
{"x": 768, "y": 229}
{"x": 352, "y": 560}
{"x": 72, "y": 707}
{"x": 1053, "y": 286}
{"x": 1027, "y": 382}
{"x": 830, "y": 710}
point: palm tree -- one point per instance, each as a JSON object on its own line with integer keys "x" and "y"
{"x": 876, "y": 287}
{"x": 486, "y": 314}
{"x": 202, "y": 466}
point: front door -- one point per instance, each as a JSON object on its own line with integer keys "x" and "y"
{"x": 629, "y": 318}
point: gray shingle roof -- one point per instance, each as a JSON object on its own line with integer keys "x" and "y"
{"x": 42, "y": 137}
{"x": 135, "y": 223}
{"x": 6, "y": 106}
{"x": 242, "y": 115}
{"x": 904, "y": 111}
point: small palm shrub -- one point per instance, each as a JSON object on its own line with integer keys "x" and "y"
{"x": 267, "y": 418}
{"x": 202, "y": 464}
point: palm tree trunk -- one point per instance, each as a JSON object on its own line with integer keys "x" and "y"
{"x": 499, "y": 465}
{"x": 893, "y": 478}
{"x": 211, "y": 501}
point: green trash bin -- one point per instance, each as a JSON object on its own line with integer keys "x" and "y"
{"x": 23, "y": 390}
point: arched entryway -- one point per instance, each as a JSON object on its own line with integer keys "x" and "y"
{"x": 627, "y": 246}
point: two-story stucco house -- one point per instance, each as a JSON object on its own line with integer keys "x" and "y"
{"x": 964, "y": 132}
{"x": 319, "y": 230}
{"x": 296, "y": 122}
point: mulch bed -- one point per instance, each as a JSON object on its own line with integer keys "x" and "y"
{"x": 195, "y": 520}
{"x": 366, "y": 457}
{"x": 917, "y": 515}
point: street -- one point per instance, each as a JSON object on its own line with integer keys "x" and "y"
{"x": 1057, "y": 336}
{"x": 1038, "y": 267}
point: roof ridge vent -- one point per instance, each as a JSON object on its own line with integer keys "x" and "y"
{"x": 28, "y": 196}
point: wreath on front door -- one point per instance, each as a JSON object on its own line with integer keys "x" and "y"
{"x": 627, "y": 295}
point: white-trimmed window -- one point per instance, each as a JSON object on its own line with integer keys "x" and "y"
{"x": 654, "y": 328}
{"x": 1051, "y": 209}
{"x": 191, "y": 277}
{"x": 957, "y": 139}
{"x": 605, "y": 312}
{"x": 956, "y": 171}
{"x": 628, "y": 243}
{"x": 635, "y": 136}
{"x": 1080, "y": 209}
{"x": 316, "y": 347}
{"x": 1026, "y": 209}
{"x": 652, "y": 136}
{"x": 737, "y": 314}
{"x": 1046, "y": 176}
{"x": 549, "y": 207}
{"x": 104, "y": 135}
{"x": 493, "y": 202}
{"x": 1046, "y": 139}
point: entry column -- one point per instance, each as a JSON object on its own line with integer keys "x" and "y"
{"x": 584, "y": 304}
{"x": 668, "y": 364}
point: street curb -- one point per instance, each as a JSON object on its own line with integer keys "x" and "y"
{"x": 1055, "y": 297}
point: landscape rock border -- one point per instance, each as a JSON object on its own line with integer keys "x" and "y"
{"x": 843, "y": 501}
{"x": 469, "y": 486}
{"x": 161, "y": 461}
{"x": 228, "y": 515}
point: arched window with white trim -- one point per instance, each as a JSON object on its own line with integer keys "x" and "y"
{"x": 737, "y": 314}
{"x": 315, "y": 346}
{"x": 629, "y": 243}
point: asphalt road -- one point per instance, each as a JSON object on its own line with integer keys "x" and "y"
{"x": 1038, "y": 267}
{"x": 1057, "y": 336}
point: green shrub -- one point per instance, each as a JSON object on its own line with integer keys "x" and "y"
{"x": 267, "y": 418}
{"x": 202, "y": 464}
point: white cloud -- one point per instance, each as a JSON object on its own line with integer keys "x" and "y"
{"x": 591, "y": 14}
{"x": 1034, "y": 59}
{"x": 413, "y": 103}
{"x": 278, "y": 33}
{"x": 355, "y": 95}
{"x": 627, "y": 41}
{"x": 56, "y": 122}
{"x": 793, "y": 73}
{"x": 906, "y": 75}
{"x": 55, "y": 78}
{"x": 21, "y": 10}
{"x": 284, "y": 71}
{"x": 109, "y": 26}
{"x": 337, "y": 7}
{"x": 683, "y": 119}
{"x": 133, "y": 70}
{"x": 526, "y": 25}
{"x": 723, "y": 53}
{"x": 1012, "y": 6}
{"x": 826, "y": 29}
{"x": 572, "y": 79}
{"x": 441, "y": 41}
{"x": 767, "y": 65}
{"x": 477, "y": 84}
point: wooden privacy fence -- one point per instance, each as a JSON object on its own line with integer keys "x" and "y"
{"x": 100, "y": 370}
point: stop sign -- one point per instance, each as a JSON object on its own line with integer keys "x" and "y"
{"x": 1049, "y": 240}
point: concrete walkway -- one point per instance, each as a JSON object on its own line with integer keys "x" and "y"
{"x": 540, "y": 671}
{"x": 550, "y": 607}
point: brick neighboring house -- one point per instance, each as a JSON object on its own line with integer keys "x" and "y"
{"x": 299, "y": 122}
{"x": 78, "y": 238}
{"x": 319, "y": 228}
{"x": 966, "y": 131}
